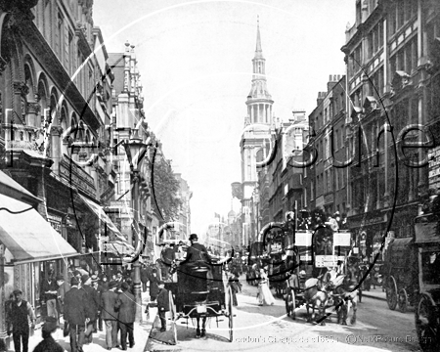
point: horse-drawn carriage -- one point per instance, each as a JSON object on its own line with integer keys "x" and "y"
{"x": 295, "y": 284}
{"x": 413, "y": 277}
{"x": 324, "y": 278}
{"x": 200, "y": 291}
{"x": 400, "y": 278}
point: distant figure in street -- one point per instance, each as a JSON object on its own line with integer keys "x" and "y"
{"x": 21, "y": 314}
{"x": 167, "y": 255}
{"x": 110, "y": 315}
{"x": 163, "y": 305}
{"x": 127, "y": 315}
{"x": 104, "y": 283}
{"x": 119, "y": 280}
{"x": 179, "y": 252}
{"x": 264, "y": 294}
{"x": 48, "y": 344}
{"x": 75, "y": 313}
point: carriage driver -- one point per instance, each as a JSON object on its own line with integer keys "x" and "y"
{"x": 196, "y": 252}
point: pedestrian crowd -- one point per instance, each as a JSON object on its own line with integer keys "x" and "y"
{"x": 93, "y": 302}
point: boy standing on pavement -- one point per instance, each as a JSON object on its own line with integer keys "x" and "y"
{"x": 163, "y": 304}
{"x": 21, "y": 313}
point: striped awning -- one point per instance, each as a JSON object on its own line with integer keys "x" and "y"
{"x": 29, "y": 237}
{"x": 102, "y": 216}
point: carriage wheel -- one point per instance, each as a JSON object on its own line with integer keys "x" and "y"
{"x": 403, "y": 300}
{"x": 231, "y": 317}
{"x": 290, "y": 303}
{"x": 173, "y": 316}
{"x": 391, "y": 293}
{"x": 426, "y": 324}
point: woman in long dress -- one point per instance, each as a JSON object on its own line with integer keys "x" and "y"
{"x": 264, "y": 294}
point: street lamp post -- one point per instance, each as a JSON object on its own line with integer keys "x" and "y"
{"x": 135, "y": 149}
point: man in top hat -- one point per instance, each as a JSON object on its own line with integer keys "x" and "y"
{"x": 110, "y": 315}
{"x": 48, "y": 344}
{"x": 91, "y": 306}
{"x": 196, "y": 252}
{"x": 75, "y": 313}
{"x": 196, "y": 255}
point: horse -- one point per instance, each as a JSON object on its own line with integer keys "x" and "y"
{"x": 316, "y": 294}
{"x": 201, "y": 332}
{"x": 346, "y": 297}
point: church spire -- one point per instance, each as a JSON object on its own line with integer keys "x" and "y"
{"x": 259, "y": 101}
{"x": 258, "y": 50}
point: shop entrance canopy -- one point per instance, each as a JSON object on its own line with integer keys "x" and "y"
{"x": 29, "y": 237}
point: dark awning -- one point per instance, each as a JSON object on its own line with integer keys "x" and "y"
{"x": 28, "y": 236}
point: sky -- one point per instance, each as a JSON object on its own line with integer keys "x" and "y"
{"x": 194, "y": 58}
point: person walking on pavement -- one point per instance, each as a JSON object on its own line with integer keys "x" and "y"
{"x": 110, "y": 315}
{"x": 127, "y": 315}
{"x": 163, "y": 304}
{"x": 144, "y": 277}
{"x": 91, "y": 306}
{"x": 49, "y": 290}
{"x": 8, "y": 313}
{"x": 48, "y": 344}
{"x": 21, "y": 313}
{"x": 264, "y": 294}
{"x": 61, "y": 290}
{"x": 97, "y": 297}
{"x": 75, "y": 313}
{"x": 154, "y": 289}
{"x": 119, "y": 280}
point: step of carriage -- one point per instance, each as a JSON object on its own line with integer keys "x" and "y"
{"x": 199, "y": 292}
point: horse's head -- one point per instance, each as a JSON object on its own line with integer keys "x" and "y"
{"x": 331, "y": 280}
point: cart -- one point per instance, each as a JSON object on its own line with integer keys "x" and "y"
{"x": 426, "y": 248}
{"x": 399, "y": 274}
{"x": 201, "y": 291}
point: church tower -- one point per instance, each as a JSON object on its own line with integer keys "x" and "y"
{"x": 257, "y": 133}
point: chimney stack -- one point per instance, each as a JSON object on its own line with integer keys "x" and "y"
{"x": 332, "y": 80}
{"x": 321, "y": 96}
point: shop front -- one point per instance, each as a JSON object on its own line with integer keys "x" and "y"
{"x": 368, "y": 231}
{"x": 28, "y": 244}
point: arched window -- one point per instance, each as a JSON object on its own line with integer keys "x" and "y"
{"x": 42, "y": 102}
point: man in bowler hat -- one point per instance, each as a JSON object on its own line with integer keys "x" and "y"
{"x": 110, "y": 315}
{"x": 127, "y": 315}
{"x": 75, "y": 312}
